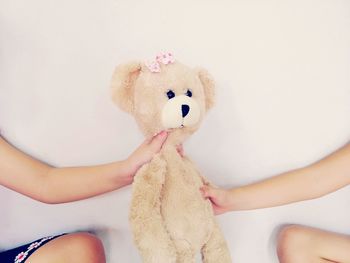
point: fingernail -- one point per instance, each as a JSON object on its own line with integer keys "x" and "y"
{"x": 163, "y": 133}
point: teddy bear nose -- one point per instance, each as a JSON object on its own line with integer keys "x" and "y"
{"x": 185, "y": 109}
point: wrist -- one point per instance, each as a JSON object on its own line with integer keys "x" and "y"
{"x": 122, "y": 173}
{"x": 129, "y": 169}
{"x": 234, "y": 199}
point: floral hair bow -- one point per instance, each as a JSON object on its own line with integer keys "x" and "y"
{"x": 162, "y": 58}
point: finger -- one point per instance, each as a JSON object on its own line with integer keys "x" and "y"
{"x": 207, "y": 191}
{"x": 148, "y": 140}
{"x": 180, "y": 150}
{"x": 158, "y": 140}
{"x": 151, "y": 138}
{"x": 216, "y": 209}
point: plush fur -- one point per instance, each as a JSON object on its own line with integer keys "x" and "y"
{"x": 171, "y": 221}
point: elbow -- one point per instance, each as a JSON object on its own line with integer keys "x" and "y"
{"x": 50, "y": 201}
{"x": 47, "y": 191}
{"x": 46, "y": 199}
{"x": 318, "y": 193}
{"x": 47, "y": 195}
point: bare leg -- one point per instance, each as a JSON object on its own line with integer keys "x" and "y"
{"x": 71, "y": 248}
{"x": 299, "y": 244}
{"x": 216, "y": 250}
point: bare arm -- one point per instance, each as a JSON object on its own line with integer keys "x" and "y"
{"x": 44, "y": 183}
{"x": 313, "y": 181}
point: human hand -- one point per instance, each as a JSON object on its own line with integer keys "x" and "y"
{"x": 180, "y": 150}
{"x": 144, "y": 153}
{"x": 219, "y": 198}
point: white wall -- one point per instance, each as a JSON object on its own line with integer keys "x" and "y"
{"x": 282, "y": 71}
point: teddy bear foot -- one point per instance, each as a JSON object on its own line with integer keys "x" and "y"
{"x": 157, "y": 256}
{"x": 216, "y": 250}
{"x": 185, "y": 257}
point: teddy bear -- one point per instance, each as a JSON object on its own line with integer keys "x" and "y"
{"x": 169, "y": 218}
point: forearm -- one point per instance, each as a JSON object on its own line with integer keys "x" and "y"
{"x": 316, "y": 180}
{"x": 287, "y": 188}
{"x": 62, "y": 185}
{"x": 44, "y": 183}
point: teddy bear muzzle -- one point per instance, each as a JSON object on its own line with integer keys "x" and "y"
{"x": 180, "y": 111}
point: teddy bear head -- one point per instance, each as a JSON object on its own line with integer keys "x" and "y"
{"x": 164, "y": 95}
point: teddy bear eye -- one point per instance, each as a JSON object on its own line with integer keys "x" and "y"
{"x": 170, "y": 94}
{"x": 189, "y": 93}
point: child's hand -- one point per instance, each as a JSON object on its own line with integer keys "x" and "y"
{"x": 180, "y": 150}
{"x": 219, "y": 198}
{"x": 144, "y": 153}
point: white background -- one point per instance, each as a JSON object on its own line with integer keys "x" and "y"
{"x": 283, "y": 91}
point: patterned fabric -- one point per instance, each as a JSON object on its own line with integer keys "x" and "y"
{"x": 22, "y": 253}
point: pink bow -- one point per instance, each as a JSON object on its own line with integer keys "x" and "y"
{"x": 164, "y": 58}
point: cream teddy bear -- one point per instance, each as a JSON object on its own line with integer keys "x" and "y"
{"x": 170, "y": 220}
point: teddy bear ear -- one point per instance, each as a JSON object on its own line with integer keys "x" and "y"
{"x": 208, "y": 86}
{"x": 123, "y": 84}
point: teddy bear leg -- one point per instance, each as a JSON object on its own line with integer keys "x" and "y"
{"x": 185, "y": 253}
{"x": 216, "y": 250}
{"x": 157, "y": 255}
{"x": 185, "y": 256}
{"x": 149, "y": 232}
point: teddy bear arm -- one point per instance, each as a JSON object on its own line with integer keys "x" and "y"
{"x": 149, "y": 231}
{"x": 216, "y": 249}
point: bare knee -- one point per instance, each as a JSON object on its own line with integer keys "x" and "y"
{"x": 293, "y": 243}
{"x": 87, "y": 248}
{"x": 71, "y": 248}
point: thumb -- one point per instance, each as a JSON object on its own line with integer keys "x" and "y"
{"x": 208, "y": 191}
